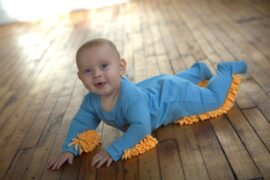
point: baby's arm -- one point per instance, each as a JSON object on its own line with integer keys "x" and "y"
{"x": 85, "y": 119}
{"x": 139, "y": 126}
{"x": 138, "y": 119}
{"x": 134, "y": 134}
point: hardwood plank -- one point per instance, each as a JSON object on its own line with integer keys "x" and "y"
{"x": 140, "y": 72}
{"x": 215, "y": 44}
{"x": 169, "y": 160}
{"x": 164, "y": 65}
{"x": 234, "y": 34}
{"x": 213, "y": 156}
{"x": 35, "y": 131}
{"x": 57, "y": 147}
{"x": 86, "y": 170}
{"x": 243, "y": 100}
{"x": 252, "y": 53}
{"x": 251, "y": 141}
{"x": 10, "y": 140}
{"x": 148, "y": 165}
{"x": 260, "y": 125}
{"x": 8, "y": 105}
{"x": 264, "y": 107}
{"x": 131, "y": 169}
{"x": 258, "y": 96}
{"x": 151, "y": 66}
{"x": 47, "y": 139}
{"x": 71, "y": 171}
{"x": 119, "y": 169}
{"x": 18, "y": 167}
{"x": 165, "y": 132}
{"x": 261, "y": 6}
{"x": 190, "y": 154}
{"x": 241, "y": 163}
{"x": 177, "y": 65}
{"x": 106, "y": 172}
{"x": 3, "y": 92}
{"x": 20, "y": 132}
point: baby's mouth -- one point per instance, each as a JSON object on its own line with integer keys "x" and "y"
{"x": 100, "y": 84}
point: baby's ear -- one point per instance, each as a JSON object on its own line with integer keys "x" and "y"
{"x": 123, "y": 65}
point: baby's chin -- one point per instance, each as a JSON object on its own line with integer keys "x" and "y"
{"x": 101, "y": 92}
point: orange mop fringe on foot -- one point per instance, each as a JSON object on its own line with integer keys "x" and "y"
{"x": 88, "y": 140}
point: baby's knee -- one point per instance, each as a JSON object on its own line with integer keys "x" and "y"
{"x": 204, "y": 70}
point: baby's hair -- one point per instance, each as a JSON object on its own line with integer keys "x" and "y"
{"x": 97, "y": 42}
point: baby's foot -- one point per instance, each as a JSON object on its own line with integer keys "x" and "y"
{"x": 236, "y": 67}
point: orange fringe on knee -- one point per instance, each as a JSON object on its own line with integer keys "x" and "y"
{"x": 88, "y": 140}
{"x": 227, "y": 105}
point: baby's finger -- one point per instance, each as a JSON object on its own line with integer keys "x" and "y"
{"x": 70, "y": 160}
{"x": 96, "y": 159}
{"x": 51, "y": 163}
{"x": 109, "y": 163}
{"x": 101, "y": 162}
{"x": 55, "y": 165}
{"x": 61, "y": 162}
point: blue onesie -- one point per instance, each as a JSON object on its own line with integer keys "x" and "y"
{"x": 156, "y": 101}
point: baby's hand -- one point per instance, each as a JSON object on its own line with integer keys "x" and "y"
{"x": 100, "y": 158}
{"x": 56, "y": 163}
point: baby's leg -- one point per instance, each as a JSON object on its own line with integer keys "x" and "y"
{"x": 201, "y": 100}
{"x": 196, "y": 73}
{"x": 220, "y": 83}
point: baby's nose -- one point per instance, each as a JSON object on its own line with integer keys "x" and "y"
{"x": 97, "y": 73}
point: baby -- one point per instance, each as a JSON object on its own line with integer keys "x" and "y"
{"x": 138, "y": 109}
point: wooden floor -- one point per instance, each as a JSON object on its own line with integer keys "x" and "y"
{"x": 40, "y": 92}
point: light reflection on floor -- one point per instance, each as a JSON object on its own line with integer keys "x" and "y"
{"x": 31, "y": 10}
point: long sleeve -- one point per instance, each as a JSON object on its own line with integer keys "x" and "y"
{"x": 85, "y": 119}
{"x": 138, "y": 118}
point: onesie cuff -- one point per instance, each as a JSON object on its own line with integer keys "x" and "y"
{"x": 71, "y": 150}
{"x": 113, "y": 153}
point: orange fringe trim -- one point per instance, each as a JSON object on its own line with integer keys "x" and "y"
{"x": 144, "y": 145}
{"x": 86, "y": 141}
{"x": 227, "y": 105}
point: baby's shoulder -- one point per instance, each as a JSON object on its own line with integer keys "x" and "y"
{"x": 131, "y": 92}
{"x": 130, "y": 89}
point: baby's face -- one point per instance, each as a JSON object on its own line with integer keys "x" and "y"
{"x": 100, "y": 70}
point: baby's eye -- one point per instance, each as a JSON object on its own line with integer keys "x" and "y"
{"x": 87, "y": 71}
{"x": 104, "y": 66}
